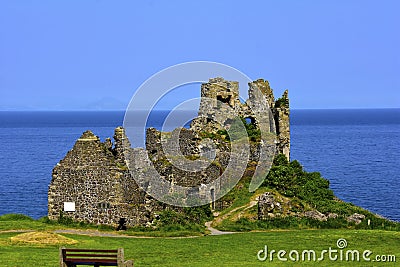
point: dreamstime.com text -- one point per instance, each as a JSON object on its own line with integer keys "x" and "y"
{"x": 338, "y": 253}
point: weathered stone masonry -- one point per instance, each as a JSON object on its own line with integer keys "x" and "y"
{"x": 94, "y": 177}
{"x": 271, "y": 114}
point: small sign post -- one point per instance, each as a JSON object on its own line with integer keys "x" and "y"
{"x": 69, "y": 206}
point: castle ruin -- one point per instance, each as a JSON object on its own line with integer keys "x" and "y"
{"x": 94, "y": 184}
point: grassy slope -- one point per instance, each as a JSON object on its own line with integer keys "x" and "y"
{"x": 226, "y": 250}
{"x": 309, "y": 191}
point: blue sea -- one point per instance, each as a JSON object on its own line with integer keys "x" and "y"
{"x": 358, "y": 151}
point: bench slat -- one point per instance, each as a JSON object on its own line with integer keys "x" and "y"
{"x": 93, "y": 263}
{"x": 90, "y": 260}
{"x": 90, "y": 255}
{"x": 90, "y": 250}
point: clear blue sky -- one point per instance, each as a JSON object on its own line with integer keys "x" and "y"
{"x": 78, "y": 54}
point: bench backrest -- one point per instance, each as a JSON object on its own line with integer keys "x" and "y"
{"x": 109, "y": 257}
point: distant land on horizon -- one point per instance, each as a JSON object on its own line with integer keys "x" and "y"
{"x": 105, "y": 103}
{"x": 97, "y": 108}
{"x": 115, "y": 104}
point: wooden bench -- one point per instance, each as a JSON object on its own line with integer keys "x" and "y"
{"x": 71, "y": 257}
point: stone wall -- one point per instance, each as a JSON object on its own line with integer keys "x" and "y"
{"x": 95, "y": 178}
{"x": 281, "y": 114}
{"x": 170, "y": 165}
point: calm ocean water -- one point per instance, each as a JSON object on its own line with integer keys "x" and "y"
{"x": 357, "y": 150}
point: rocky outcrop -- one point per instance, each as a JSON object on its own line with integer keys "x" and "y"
{"x": 356, "y": 218}
{"x": 272, "y": 205}
{"x": 268, "y": 206}
{"x": 316, "y": 215}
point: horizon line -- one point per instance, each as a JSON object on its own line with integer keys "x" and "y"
{"x": 122, "y": 110}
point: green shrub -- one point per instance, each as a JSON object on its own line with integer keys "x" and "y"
{"x": 236, "y": 131}
{"x": 46, "y": 220}
{"x": 291, "y": 180}
{"x": 282, "y": 102}
{"x": 15, "y": 217}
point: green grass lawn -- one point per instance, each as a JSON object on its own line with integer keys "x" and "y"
{"x": 226, "y": 250}
{"x": 239, "y": 249}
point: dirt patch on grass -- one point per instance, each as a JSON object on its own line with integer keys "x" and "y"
{"x": 43, "y": 238}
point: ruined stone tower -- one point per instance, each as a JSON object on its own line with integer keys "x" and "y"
{"x": 220, "y": 101}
